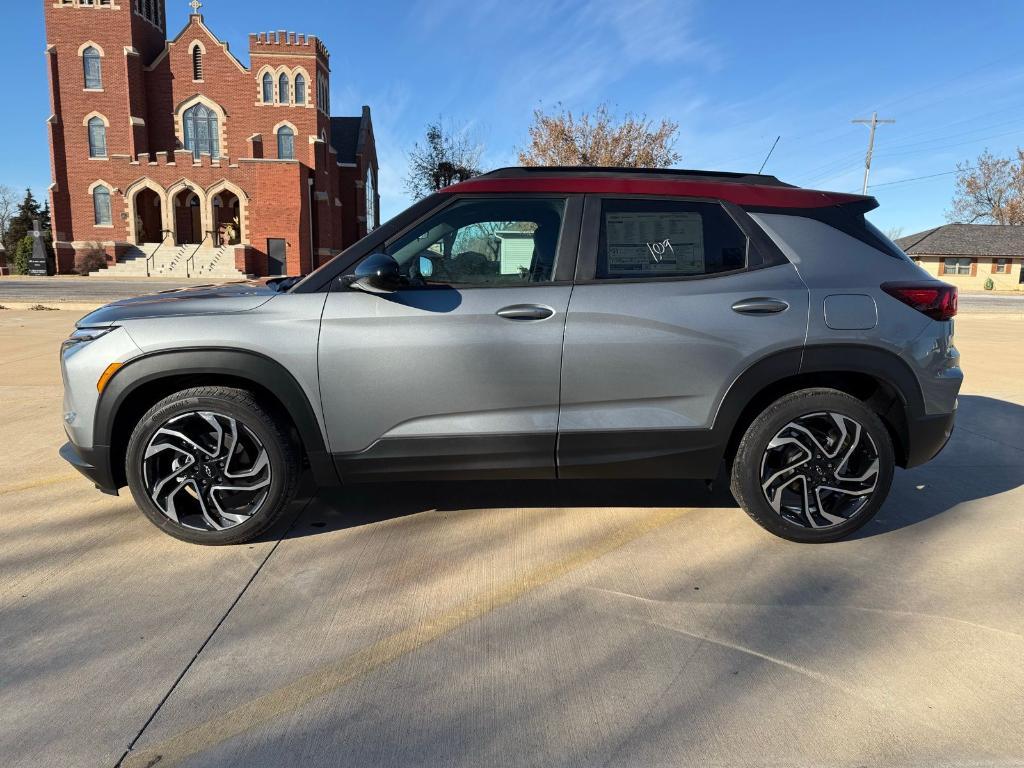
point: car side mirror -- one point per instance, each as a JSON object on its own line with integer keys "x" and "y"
{"x": 378, "y": 273}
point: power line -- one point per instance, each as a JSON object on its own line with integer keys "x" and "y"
{"x": 919, "y": 178}
{"x": 874, "y": 122}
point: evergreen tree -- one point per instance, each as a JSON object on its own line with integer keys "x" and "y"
{"x": 19, "y": 226}
{"x": 44, "y": 220}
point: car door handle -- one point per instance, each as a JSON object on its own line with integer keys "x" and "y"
{"x": 760, "y": 306}
{"x": 522, "y": 312}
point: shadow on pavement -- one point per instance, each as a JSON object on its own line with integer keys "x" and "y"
{"x": 989, "y": 440}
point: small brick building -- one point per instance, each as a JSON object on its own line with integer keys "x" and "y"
{"x": 968, "y": 255}
{"x": 176, "y": 142}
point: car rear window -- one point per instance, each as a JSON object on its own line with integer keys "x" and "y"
{"x": 667, "y": 238}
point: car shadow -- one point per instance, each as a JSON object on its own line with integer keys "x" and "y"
{"x": 985, "y": 457}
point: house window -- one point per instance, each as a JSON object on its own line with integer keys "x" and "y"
{"x": 1001, "y": 266}
{"x": 956, "y": 266}
{"x": 92, "y": 68}
{"x": 300, "y": 89}
{"x": 371, "y": 201}
{"x": 201, "y": 131}
{"x": 197, "y": 64}
{"x": 283, "y": 85}
{"x": 268, "y": 88}
{"x": 101, "y": 207}
{"x": 285, "y": 143}
{"x": 97, "y": 137}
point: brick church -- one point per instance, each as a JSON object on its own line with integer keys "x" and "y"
{"x": 173, "y": 156}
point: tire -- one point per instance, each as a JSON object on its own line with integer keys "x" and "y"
{"x": 787, "y": 449}
{"x": 212, "y": 466}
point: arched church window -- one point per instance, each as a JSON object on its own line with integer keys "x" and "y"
{"x": 97, "y": 137}
{"x": 92, "y": 68}
{"x": 285, "y": 143}
{"x": 201, "y": 131}
{"x": 101, "y": 206}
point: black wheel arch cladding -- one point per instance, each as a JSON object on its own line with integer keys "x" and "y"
{"x": 147, "y": 379}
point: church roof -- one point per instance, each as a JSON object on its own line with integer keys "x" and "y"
{"x": 348, "y": 135}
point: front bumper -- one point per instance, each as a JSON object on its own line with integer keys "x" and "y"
{"x": 94, "y": 464}
{"x": 927, "y": 436}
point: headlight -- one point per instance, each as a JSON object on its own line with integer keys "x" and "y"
{"x": 84, "y": 336}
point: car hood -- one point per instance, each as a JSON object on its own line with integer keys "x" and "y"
{"x": 201, "y": 300}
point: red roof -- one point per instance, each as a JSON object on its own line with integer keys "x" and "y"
{"x": 756, "y": 195}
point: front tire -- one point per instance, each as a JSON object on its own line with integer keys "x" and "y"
{"x": 814, "y": 466}
{"x": 212, "y": 466}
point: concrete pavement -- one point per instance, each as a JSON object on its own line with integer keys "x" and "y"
{"x": 83, "y": 290}
{"x": 516, "y": 624}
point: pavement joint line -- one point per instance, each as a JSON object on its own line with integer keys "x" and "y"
{"x": 321, "y": 682}
{"x": 206, "y": 642}
{"x": 28, "y": 485}
{"x": 989, "y": 437}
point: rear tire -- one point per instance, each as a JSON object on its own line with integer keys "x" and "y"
{"x": 212, "y": 466}
{"x": 814, "y": 466}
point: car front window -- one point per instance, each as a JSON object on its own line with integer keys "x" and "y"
{"x": 483, "y": 243}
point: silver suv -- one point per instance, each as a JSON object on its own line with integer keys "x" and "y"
{"x": 537, "y": 323}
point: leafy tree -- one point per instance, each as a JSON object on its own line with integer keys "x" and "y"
{"x": 8, "y": 206}
{"x": 447, "y": 157}
{"x": 991, "y": 190}
{"x": 600, "y": 138}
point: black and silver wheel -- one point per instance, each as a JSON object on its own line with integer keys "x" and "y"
{"x": 211, "y": 466}
{"x": 815, "y": 466}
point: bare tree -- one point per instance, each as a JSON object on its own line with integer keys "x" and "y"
{"x": 448, "y": 156}
{"x": 600, "y": 138}
{"x": 894, "y": 233}
{"x": 991, "y": 190}
{"x": 8, "y": 207}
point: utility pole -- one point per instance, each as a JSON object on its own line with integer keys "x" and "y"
{"x": 874, "y": 122}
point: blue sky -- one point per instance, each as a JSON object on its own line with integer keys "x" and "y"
{"x": 734, "y": 75}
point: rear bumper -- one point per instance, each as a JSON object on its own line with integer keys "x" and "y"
{"x": 94, "y": 464}
{"x": 927, "y": 436}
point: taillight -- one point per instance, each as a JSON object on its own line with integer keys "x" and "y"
{"x": 937, "y": 300}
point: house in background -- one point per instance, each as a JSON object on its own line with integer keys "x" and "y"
{"x": 174, "y": 150}
{"x": 967, "y": 255}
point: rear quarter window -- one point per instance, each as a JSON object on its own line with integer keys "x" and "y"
{"x": 667, "y": 239}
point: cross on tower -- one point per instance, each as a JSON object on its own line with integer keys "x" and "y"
{"x": 195, "y": 5}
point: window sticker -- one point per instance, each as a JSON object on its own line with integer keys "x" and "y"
{"x": 655, "y": 243}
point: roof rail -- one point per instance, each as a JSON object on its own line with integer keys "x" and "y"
{"x": 518, "y": 172}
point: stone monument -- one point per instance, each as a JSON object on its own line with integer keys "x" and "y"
{"x": 39, "y": 263}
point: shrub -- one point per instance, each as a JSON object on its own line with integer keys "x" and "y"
{"x": 989, "y": 285}
{"x": 93, "y": 258}
{"x": 22, "y": 254}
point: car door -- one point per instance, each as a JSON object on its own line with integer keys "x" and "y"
{"x": 674, "y": 300}
{"x": 455, "y": 374}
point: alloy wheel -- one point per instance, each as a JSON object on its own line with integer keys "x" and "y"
{"x": 206, "y": 471}
{"x": 820, "y": 470}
